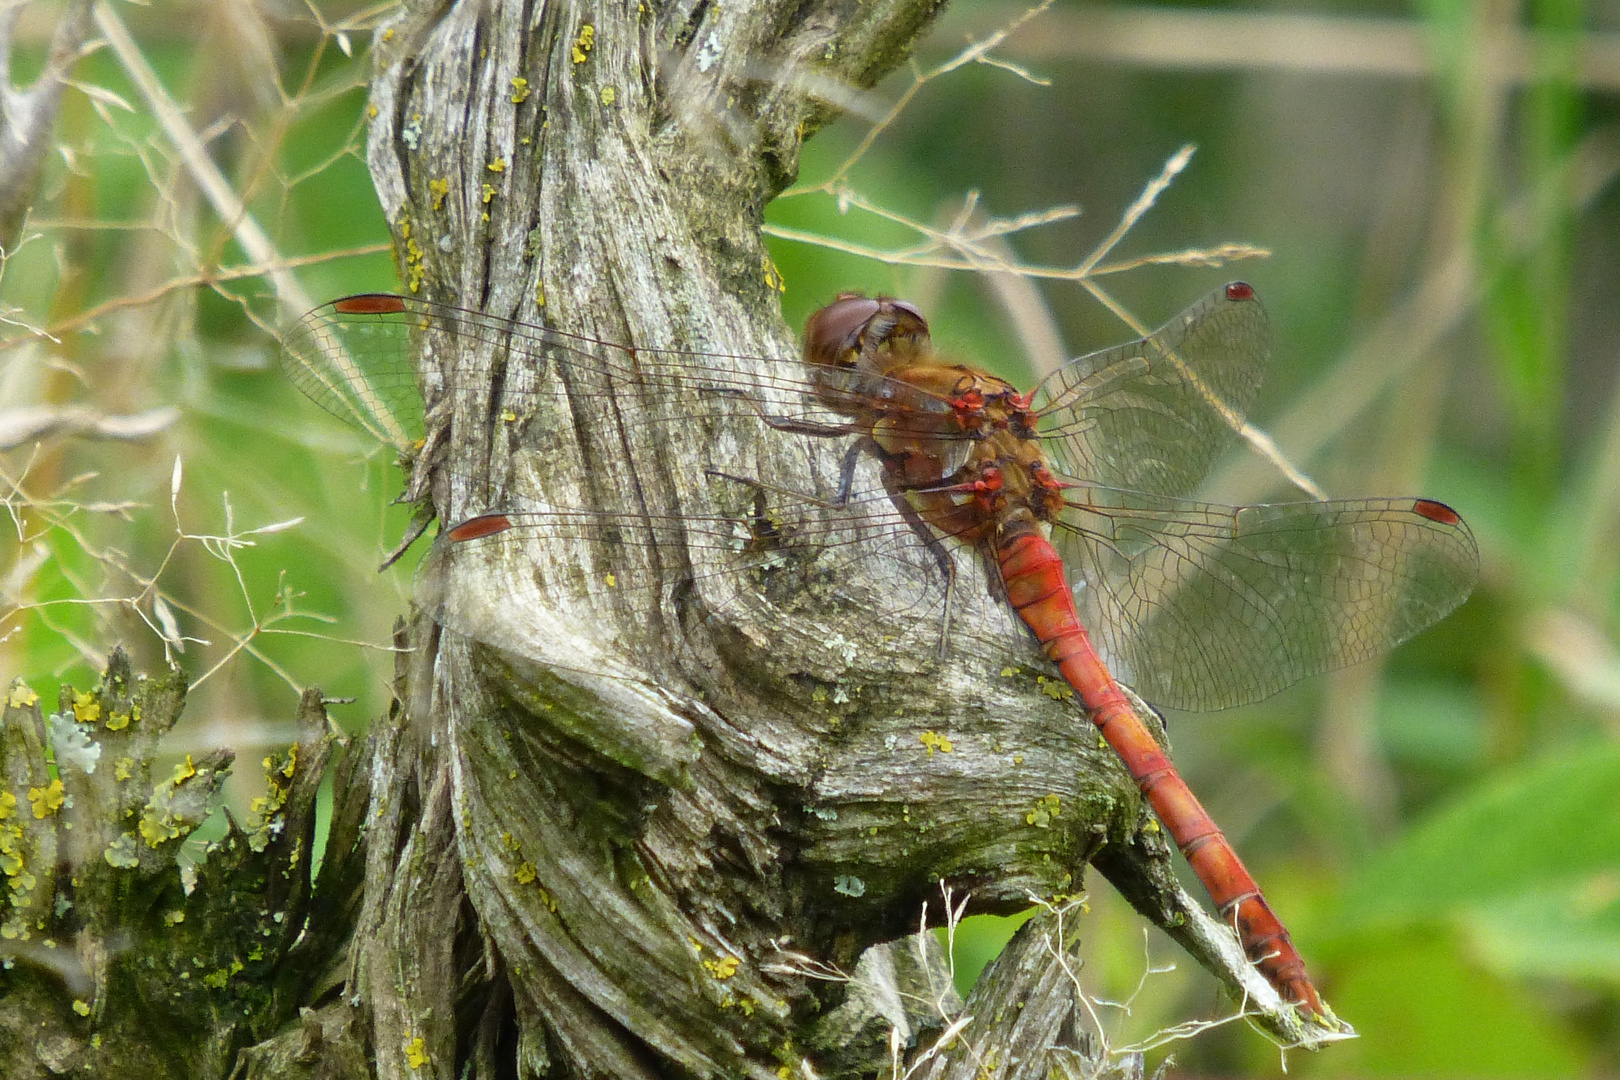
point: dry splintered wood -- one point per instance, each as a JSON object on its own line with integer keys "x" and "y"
{"x": 609, "y": 840}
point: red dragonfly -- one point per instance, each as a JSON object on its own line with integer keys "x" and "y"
{"x": 1074, "y": 491}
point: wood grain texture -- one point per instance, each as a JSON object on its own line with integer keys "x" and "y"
{"x": 616, "y": 835}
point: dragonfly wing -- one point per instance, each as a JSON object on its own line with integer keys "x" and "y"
{"x": 1155, "y": 414}
{"x": 765, "y": 555}
{"x": 353, "y": 358}
{"x": 1204, "y": 607}
{"x": 357, "y": 358}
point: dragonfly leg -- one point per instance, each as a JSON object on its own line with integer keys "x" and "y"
{"x": 786, "y": 423}
{"x": 846, "y": 471}
{"x": 419, "y": 522}
{"x": 797, "y": 496}
{"x": 948, "y": 566}
{"x": 935, "y": 543}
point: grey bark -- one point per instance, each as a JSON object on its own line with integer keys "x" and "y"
{"x": 648, "y": 827}
{"x": 28, "y": 116}
{"x": 604, "y": 839}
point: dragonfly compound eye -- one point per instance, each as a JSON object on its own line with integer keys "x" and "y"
{"x": 831, "y": 333}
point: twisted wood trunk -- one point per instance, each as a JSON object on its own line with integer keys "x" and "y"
{"x": 652, "y": 833}
{"x": 690, "y": 841}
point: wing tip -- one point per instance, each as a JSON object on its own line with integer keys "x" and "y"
{"x": 370, "y": 304}
{"x": 475, "y": 528}
{"x": 1436, "y": 511}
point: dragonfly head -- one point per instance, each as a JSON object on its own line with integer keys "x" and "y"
{"x": 878, "y": 334}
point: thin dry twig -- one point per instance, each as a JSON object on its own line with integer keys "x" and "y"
{"x": 967, "y": 244}
{"x": 34, "y": 517}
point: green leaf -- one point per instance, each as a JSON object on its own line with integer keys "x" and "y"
{"x": 1571, "y": 932}
{"x": 1423, "y": 1011}
{"x": 1552, "y": 826}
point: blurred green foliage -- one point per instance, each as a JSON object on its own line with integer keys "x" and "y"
{"x": 1441, "y": 831}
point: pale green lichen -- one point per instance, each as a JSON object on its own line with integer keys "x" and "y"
{"x": 217, "y": 979}
{"x": 1056, "y": 689}
{"x": 1046, "y": 808}
{"x": 120, "y": 854}
{"x": 161, "y": 819}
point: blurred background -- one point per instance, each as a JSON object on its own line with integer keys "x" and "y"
{"x": 1435, "y": 186}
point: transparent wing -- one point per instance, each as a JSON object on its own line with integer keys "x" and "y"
{"x": 356, "y": 358}
{"x": 1155, "y": 414}
{"x": 765, "y": 551}
{"x": 1204, "y": 607}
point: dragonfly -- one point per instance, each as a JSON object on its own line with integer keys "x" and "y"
{"x": 1076, "y": 493}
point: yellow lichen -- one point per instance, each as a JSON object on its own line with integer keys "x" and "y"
{"x": 81, "y": 1007}
{"x": 497, "y": 166}
{"x": 773, "y": 277}
{"x": 117, "y": 721}
{"x": 438, "y": 189}
{"x": 416, "y": 1054}
{"x": 525, "y": 873}
{"x": 8, "y": 805}
{"x": 47, "y": 800}
{"x": 414, "y": 269}
{"x": 609, "y": 95}
{"x": 21, "y": 696}
{"x": 86, "y": 708}
{"x": 935, "y": 741}
{"x": 520, "y": 90}
{"x": 11, "y": 857}
{"x": 723, "y": 968}
{"x": 584, "y": 43}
